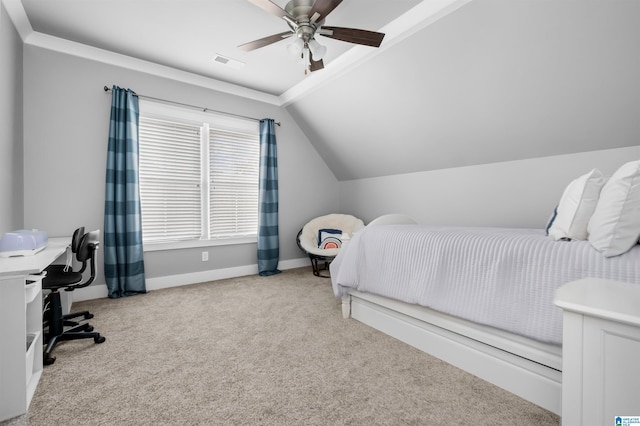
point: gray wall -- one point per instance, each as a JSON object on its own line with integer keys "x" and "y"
{"x": 520, "y": 193}
{"x": 567, "y": 100}
{"x": 66, "y": 117}
{"x": 495, "y": 80}
{"x": 11, "y": 184}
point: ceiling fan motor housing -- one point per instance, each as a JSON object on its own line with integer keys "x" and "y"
{"x": 306, "y": 27}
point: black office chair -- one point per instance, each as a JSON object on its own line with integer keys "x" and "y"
{"x": 53, "y": 270}
{"x": 55, "y": 321}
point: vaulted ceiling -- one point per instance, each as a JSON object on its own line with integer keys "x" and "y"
{"x": 495, "y": 80}
{"x": 455, "y": 82}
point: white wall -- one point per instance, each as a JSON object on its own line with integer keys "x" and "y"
{"x": 10, "y": 125}
{"x": 66, "y": 117}
{"x": 520, "y": 193}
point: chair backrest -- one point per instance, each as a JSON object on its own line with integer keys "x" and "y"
{"x": 75, "y": 243}
{"x": 89, "y": 243}
{"x": 87, "y": 248}
{"x": 75, "y": 240}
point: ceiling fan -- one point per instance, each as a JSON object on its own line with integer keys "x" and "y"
{"x": 306, "y": 20}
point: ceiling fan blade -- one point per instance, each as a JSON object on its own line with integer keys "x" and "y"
{"x": 272, "y": 8}
{"x": 265, "y": 41}
{"x": 352, "y": 35}
{"x": 322, "y": 8}
{"x": 315, "y": 65}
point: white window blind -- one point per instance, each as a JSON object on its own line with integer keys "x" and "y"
{"x": 234, "y": 160}
{"x": 199, "y": 180}
{"x": 170, "y": 176}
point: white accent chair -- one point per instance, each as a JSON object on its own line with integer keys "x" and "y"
{"x": 308, "y": 239}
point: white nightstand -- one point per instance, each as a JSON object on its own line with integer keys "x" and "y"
{"x": 600, "y": 351}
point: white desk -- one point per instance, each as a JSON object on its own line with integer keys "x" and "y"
{"x": 21, "y": 327}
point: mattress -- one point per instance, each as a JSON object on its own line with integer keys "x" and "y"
{"x": 500, "y": 277}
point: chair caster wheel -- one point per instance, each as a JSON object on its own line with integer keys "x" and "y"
{"x": 48, "y": 360}
{"x": 89, "y": 328}
{"x": 88, "y": 316}
{"x": 99, "y": 339}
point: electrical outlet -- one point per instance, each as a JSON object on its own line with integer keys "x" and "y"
{"x": 205, "y": 256}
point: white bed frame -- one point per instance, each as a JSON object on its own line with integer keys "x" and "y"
{"x": 529, "y": 369}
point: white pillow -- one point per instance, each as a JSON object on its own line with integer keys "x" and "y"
{"x": 576, "y": 206}
{"x": 614, "y": 227}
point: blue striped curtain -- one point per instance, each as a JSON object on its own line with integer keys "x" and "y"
{"x": 268, "y": 242}
{"x": 123, "y": 254}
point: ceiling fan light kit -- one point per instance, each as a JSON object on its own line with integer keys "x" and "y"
{"x": 306, "y": 19}
{"x": 317, "y": 50}
{"x": 296, "y": 47}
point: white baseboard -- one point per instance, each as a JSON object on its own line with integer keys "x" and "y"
{"x": 99, "y": 291}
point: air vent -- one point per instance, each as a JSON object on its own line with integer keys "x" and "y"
{"x": 223, "y": 60}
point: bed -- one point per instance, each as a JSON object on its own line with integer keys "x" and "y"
{"x": 479, "y": 298}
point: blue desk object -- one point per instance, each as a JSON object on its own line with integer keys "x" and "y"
{"x": 23, "y": 242}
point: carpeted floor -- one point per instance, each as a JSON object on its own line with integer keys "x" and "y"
{"x": 257, "y": 351}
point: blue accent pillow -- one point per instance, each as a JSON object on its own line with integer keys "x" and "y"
{"x": 329, "y": 238}
{"x": 551, "y": 220}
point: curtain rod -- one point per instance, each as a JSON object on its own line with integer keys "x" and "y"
{"x": 203, "y": 109}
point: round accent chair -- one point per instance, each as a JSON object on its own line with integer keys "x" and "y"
{"x": 321, "y": 239}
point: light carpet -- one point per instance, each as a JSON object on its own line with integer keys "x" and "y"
{"x": 257, "y": 351}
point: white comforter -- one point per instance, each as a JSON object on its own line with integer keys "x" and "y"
{"x": 505, "y": 278}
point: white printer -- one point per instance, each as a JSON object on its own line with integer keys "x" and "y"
{"x": 23, "y": 242}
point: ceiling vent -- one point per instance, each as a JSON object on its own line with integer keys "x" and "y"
{"x": 223, "y": 60}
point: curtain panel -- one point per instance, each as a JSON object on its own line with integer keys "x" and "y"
{"x": 268, "y": 239}
{"x": 123, "y": 251}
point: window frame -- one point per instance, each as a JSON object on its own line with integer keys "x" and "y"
{"x": 166, "y": 111}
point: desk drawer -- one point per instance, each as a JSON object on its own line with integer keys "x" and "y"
{"x": 33, "y": 287}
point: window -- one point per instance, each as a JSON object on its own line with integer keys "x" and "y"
{"x": 198, "y": 176}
